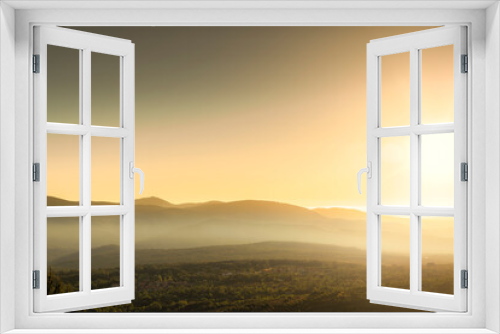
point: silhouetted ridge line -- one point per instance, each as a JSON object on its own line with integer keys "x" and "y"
{"x": 250, "y": 205}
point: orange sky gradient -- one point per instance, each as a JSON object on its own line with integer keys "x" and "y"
{"x": 268, "y": 113}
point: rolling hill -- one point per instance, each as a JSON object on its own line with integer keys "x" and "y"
{"x": 163, "y": 225}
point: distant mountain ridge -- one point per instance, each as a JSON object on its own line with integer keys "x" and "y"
{"x": 160, "y": 224}
{"x": 246, "y": 205}
{"x": 164, "y": 225}
{"x": 156, "y": 201}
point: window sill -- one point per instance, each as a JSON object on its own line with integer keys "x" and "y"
{"x": 251, "y": 331}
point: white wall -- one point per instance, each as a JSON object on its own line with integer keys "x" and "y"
{"x": 492, "y": 163}
{"x": 257, "y": 17}
{"x": 7, "y": 190}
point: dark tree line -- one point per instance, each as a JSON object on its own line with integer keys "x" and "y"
{"x": 253, "y": 286}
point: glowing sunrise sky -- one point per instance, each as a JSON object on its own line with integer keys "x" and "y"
{"x": 232, "y": 113}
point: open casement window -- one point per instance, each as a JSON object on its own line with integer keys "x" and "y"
{"x": 83, "y": 153}
{"x": 416, "y": 194}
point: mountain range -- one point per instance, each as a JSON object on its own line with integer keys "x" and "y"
{"x": 162, "y": 225}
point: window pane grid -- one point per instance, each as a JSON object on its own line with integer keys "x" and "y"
{"x": 68, "y": 113}
{"x": 421, "y": 211}
{"x": 77, "y": 211}
{"x": 86, "y": 211}
{"x": 423, "y": 166}
{"x": 414, "y": 131}
{"x": 415, "y": 211}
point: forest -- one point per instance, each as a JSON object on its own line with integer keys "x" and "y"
{"x": 272, "y": 285}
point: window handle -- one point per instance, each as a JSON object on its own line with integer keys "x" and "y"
{"x": 141, "y": 175}
{"x": 368, "y": 171}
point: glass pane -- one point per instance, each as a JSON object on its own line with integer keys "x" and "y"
{"x": 63, "y": 255}
{"x": 437, "y": 254}
{"x": 105, "y": 252}
{"x": 437, "y": 85}
{"x": 395, "y": 170}
{"x": 105, "y": 90}
{"x": 395, "y": 90}
{"x": 105, "y": 171}
{"x": 63, "y": 170}
{"x": 63, "y": 85}
{"x": 395, "y": 247}
{"x": 437, "y": 172}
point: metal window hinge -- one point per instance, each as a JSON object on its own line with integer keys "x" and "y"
{"x": 464, "y": 171}
{"x": 36, "y": 279}
{"x": 36, "y": 63}
{"x": 36, "y": 172}
{"x": 465, "y": 279}
{"x": 465, "y": 64}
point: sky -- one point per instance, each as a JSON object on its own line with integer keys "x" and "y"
{"x": 268, "y": 113}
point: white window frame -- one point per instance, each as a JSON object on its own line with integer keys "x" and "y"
{"x": 483, "y": 314}
{"x": 86, "y": 44}
{"x": 414, "y": 43}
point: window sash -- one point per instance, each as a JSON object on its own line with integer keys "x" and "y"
{"x": 414, "y": 298}
{"x": 87, "y": 43}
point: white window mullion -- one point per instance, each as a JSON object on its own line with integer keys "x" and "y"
{"x": 102, "y": 131}
{"x": 414, "y": 172}
{"x": 122, "y": 179}
{"x": 85, "y": 254}
{"x": 378, "y": 252}
{"x": 79, "y": 128}
{"x": 372, "y": 188}
{"x": 419, "y": 211}
{"x": 460, "y": 155}
{"x": 40, "y": 156}
{"x": 420, "y": 129}
{"x": 67, "y": 129}
{"x": 424, "y": 129}
{"x": 85, "y": 162}
{"x": 127, "y": 230}
{"x": 85, "y": 167}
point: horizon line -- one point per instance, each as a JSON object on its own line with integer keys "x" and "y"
{"x": 312, "y": 208}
